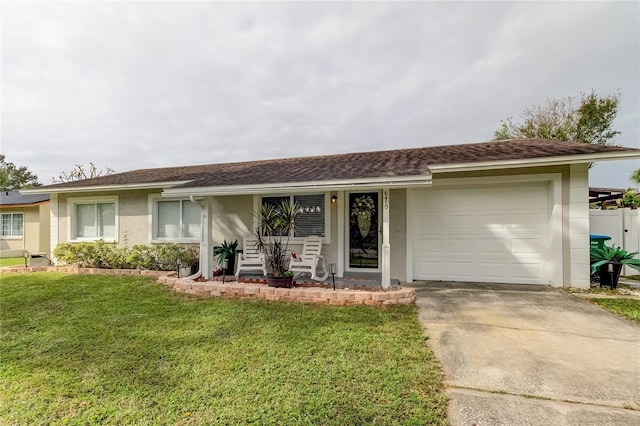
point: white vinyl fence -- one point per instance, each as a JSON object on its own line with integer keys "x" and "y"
{"x": 622, "y": 225}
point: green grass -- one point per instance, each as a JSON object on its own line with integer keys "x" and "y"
{"x": 11, "y": 261}
{"x": 628, "y": 308}
{"x": 123, "y": 350}
{"x": 633, "y": 277}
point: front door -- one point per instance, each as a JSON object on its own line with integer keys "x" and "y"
{"x": 363, "y": 235}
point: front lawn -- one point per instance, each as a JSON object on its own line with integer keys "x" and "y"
{"x": 124, "y": 350}
{"x": 628, "y": 308}
{"x": 11, "y": 261}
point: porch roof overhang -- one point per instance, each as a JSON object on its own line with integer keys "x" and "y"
{"x": 292, "y": 187}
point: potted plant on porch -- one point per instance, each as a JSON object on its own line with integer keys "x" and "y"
{"x": 275, "y": 224}
{"x": 227, "y": 251}
{"x": 608, "y": 262}
{"x": 188, "y": 258}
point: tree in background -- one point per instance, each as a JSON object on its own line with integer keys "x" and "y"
{"x": 12, "y": 177}
{"x": 635, "y": 176}
{"x": 79, "y": 173}
{"x": 588, "y": 119}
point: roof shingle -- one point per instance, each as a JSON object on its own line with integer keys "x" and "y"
{"x": 14, "y": 198}
{"x": 362, "y": 165}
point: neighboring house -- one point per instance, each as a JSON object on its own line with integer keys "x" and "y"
{"x": 25, "y": 223}
{"x": 507, "y": 212}
{"x": 606, "y": 198}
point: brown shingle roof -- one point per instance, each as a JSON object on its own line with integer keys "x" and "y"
{"x": 362, "y": 165}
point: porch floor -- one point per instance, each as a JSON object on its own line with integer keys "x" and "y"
{"x": 350, "y": 280}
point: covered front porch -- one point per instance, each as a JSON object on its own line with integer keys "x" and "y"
{"x": 354, "y": 224}
{"x": 349, "y": 280}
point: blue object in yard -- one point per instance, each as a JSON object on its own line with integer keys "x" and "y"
{"x": 597, "y": 241}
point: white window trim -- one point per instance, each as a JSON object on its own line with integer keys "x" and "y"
{"x": 153, "y": 220}
{"x": 72, "y": 211}
{"x": 257, "y": 202}
{"x": 12, "y": 237}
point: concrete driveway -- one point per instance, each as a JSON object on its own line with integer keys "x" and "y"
{"x": 531, "y": 355}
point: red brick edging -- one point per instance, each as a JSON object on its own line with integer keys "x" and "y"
{"x": 248, "y": 290}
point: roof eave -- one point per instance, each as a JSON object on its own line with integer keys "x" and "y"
{"x": 272, "y": 188}
{"x": 24, "y": 205}
{"x": 534, "y": 162}
{"x": 105, "y": 188}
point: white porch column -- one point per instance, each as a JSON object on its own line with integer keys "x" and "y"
{"x": 206, "y": 252}
{"x": 340, "y": 266}
{"x": 386, "y": 247}
{"x": 54, "y": 226}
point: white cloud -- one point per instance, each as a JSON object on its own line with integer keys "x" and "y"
{"x": 136, "y": 84}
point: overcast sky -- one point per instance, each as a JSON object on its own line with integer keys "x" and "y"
{"x": 139, "y": 84}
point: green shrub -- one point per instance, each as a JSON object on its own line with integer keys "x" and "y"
{"x": 101, "y": 254}
{"x": 141, "y": 257}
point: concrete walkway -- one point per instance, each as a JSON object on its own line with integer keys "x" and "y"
{"x": 531, "y": 355}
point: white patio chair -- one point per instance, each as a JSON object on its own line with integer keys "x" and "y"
{"x": 251, "y": 257}
{"x": 309, "y": 260}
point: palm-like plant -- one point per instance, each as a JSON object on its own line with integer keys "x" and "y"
{"x": 614, "y": 255}
{"x": 275, "y": 225}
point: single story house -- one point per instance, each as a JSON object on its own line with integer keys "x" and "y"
{"x": 511, "y": 211}
{"x": 25, "y": 223}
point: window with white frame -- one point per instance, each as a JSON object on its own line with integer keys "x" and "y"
{"x": 312, "y": 217}
{"x": 176, "y": 220}
{"x": 12, "y": 225}
{"x": 93, "y": 218}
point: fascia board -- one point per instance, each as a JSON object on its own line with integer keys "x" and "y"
{"x": 533, "y": 162}
{"x": 104, "y": 188}
{"x": 299, "y": 186}
{"x": 10, "y": 206}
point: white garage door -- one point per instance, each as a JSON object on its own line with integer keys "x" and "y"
{"x": 485, "y": 234}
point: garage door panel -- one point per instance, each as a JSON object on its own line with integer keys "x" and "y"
{"x": 431, "y": 269}
{"x": 462, "y": 246}
{"x": 432, "y": 204}
{"x": 460, "y": 270}
{"x": 492, "y": 199}
{"x": 429, "y": 246}
{"x": 527, "y": 246}
{"x": 527, "y": 222}
{"x": 456, "y": 200}
{"x": 491, "y": 222}
{"x": 492, "y": 271}
{"x": 459, "y": 223}
{"x": 429, "y": 223}
{"x": 527, "y": 272}
{"x": 493, "y": 245}
{"x": 531, "y": 198}
{"x": 498, "y": 234}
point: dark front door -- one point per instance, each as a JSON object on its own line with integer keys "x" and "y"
{"x": 363, "y": 230}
